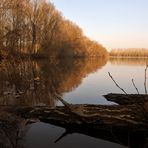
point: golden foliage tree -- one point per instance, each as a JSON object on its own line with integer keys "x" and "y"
{"x": 35, "y": 27}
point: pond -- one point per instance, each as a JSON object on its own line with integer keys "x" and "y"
{"x": 36, "y": 83}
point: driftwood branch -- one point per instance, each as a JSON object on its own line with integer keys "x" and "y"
{"x": 95, "y": 116}
{"x": 73, "y": 109}
{"x": 66, "y": 104}
{"x": 145, "y": 79}
{"x": 129, "y": 115}
{"x": 116, "y": 83}
{"x": 128, "y": 99}
{"x": 135, "y": 86}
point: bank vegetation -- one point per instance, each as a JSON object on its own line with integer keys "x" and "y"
{"x": 130, "y": 52}
{"x": 35, "y": 28}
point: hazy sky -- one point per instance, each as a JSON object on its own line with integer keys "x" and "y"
{"x": 113, "y": 23}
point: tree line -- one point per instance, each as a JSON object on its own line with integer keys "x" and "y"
{"x": 129, "y": 52}
{"x": 36, "y": 28}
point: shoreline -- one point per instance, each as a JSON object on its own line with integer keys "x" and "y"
{"x": 129, "y": 57}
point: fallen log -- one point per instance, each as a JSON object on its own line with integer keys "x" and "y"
{"x": 104, "y": 125}
{"x": 95, "y": 116}
{"x": 126, "y": 99}
{"x": 130, "y": 115}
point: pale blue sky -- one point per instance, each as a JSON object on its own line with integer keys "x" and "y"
{"x": 113, "y": 23}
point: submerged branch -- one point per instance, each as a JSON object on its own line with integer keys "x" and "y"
{"x": 116, "y": 83}
{"x": 145, "y": 79}
{"x": 135, "y": 86}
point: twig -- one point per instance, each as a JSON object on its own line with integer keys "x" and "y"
{"x": 135, "y": 86}
{"x": 145, "y": 78}
{"x": 116, "y": 83}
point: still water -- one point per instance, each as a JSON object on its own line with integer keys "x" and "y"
{"x": 36, "y": 83}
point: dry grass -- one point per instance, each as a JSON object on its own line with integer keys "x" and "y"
{"x": 132, "y": 52}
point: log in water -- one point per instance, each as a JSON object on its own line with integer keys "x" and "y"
{"x": 129, "y": 115}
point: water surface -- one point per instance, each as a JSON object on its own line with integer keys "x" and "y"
{"x": 36, "y": 83}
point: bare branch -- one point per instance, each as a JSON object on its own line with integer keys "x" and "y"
{"x": 145, "y": 78}
{"x": 67, "y": 105}
{"x": 135, "y": 86}
{"x": 116, "y": 83}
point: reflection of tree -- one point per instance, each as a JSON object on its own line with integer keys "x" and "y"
{"x": 80, "y": 69}
{"x": 37, "y": 83}
{"x": 128, "y": 61}
{"x": 12, "y": 128}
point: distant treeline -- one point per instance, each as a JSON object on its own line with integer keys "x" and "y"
{"x": 36, "y": 28}
{"x": 131, "y": 52}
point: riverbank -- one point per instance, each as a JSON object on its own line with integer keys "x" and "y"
{"x": 129, "y": 53}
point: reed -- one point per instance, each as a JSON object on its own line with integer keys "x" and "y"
{"x": 132, "y": 52}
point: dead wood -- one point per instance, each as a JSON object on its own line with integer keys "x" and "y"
{"x": 128, "y": 99}
{"x": 129, "y": 115}
{"x": 117, "y": 83}
{"x": 135, "y": 86}
{"x": 145, "y": 79}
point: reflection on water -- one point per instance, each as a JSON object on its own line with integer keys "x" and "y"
{"x": 126, "y": 69}
{"x": 44, "y": 135}
{"x": 128, "y": 61}
{"x": 78, "y": 81}
{"x": 36, "y": 83}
